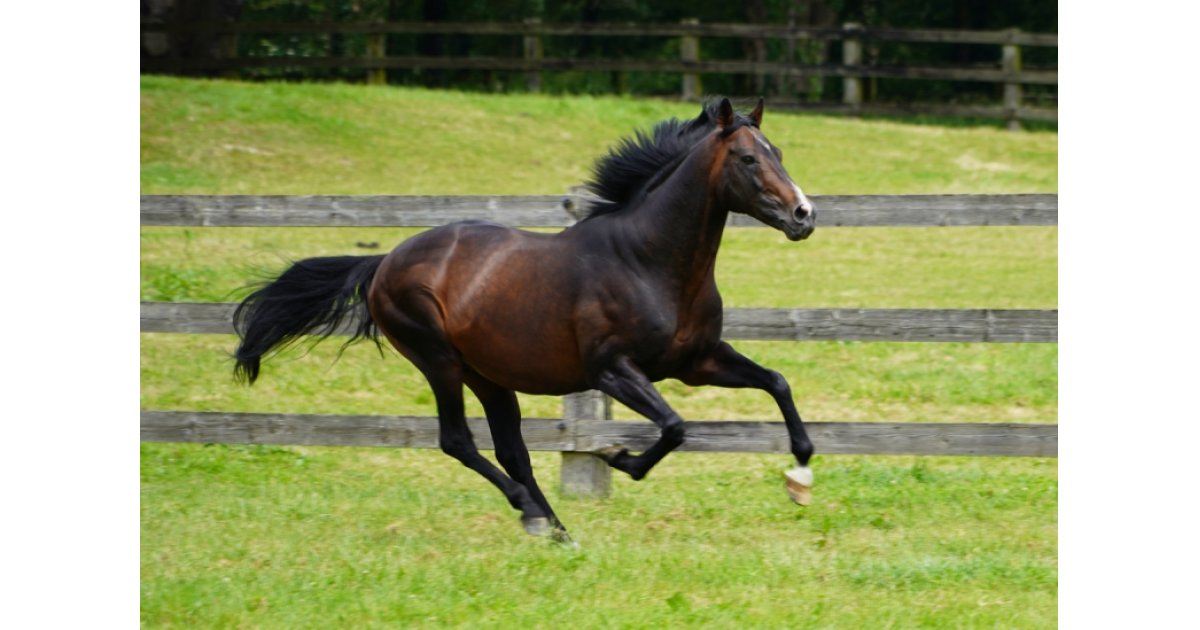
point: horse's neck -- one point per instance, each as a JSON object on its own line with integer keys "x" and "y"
{"x": 679, "y": 225}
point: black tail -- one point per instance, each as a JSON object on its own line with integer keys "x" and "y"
{"x": 314, "y": 296}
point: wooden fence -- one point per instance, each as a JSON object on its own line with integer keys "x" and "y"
{"x": 853, "y": 68}
{"x": 587, "y": 423}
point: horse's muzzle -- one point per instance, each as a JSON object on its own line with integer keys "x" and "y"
{"x": 804, "y": 221}
{"x": 800, "y": 232}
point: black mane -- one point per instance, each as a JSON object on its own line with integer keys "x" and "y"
{"x": 620, "y": 175}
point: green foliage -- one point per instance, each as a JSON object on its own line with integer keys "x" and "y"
{"x": 1028, "y": 15}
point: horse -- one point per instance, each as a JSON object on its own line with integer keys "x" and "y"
{"x": 622, "y": 299}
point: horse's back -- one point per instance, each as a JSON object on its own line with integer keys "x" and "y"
{"x": 503, "y": 298}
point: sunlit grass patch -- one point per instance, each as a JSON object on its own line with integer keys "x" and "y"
{"x": 209, "y": 137}
{"x": 297, "y": 537}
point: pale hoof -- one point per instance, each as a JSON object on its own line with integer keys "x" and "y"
{"x": 609, "y": 453}
{"x": 537, "y": 526}
{"x": 799, "y": 485}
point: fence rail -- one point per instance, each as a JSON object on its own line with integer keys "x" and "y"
{"x": 769, "y": 324}
{"x": 634, "y": 29}
{"x": 587, "y": 423}
{"x": 542, "y": 434}
{"x": 560, "y": 210}
{"x": 852, "y": 67}
{"x": 512, "y": 64}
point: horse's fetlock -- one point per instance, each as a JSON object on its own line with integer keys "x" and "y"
{"x": 674, "y": 431}
{"x": 803, "y": 451}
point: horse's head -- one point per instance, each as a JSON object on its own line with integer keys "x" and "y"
{"x": 749, "y": 177}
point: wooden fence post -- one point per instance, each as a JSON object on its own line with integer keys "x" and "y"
{"x": 852, "y": 92}
{"x": 689, "y": 52}
{"x": 228, "y": 46}
{"x": 376, "y": 49}
{"x": 176, "y": 32}
{"x": 584, "y": 474}
{"x": 1011, "y": 62}
{"x": 787, "y": 85}
{"x": 533, "y": 52}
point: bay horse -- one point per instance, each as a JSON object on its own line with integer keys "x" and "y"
{"x": 622, "y": 299}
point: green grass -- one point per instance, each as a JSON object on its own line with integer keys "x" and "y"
{"x": 830, "y": 380}
{"x": 210, "y": 137}
{"x": 322, "y": 537}
{"x": 271, "y": 537}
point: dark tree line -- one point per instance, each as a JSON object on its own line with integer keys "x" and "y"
{"x": 1029, "y": 15}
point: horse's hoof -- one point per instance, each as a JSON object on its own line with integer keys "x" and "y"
{"x": 799, "y": 484}
{"x": 610, "y": 453}
{"x": 560, "y": 536}
{"x": 536, "y": 526}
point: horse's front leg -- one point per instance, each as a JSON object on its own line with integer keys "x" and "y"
{"x": 629, "y": 386}
{"x": 726, "y": 367}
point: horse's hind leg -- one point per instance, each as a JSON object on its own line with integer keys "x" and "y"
{"x": 504, "y": 420}
{"x": 629, "y": 386}
{"x": 426, "y": 347}
{"x": 455, "y": 439}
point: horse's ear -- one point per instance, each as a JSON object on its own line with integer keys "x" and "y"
{"x": 724, "y": 113}
{"x": 756, "y": 115}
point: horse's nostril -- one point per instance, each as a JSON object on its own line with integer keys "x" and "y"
{"x": 803, "y": 212}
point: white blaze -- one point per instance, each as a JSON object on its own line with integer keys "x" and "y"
{"x": 805, "y": 204}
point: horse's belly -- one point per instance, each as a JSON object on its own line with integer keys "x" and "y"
{"x": 535, "y": 357}
{"x": 530, "y": 371}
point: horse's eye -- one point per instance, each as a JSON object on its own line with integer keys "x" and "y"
{"x": 748, "y": 159}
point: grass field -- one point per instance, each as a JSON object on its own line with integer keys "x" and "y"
{"x": 211, "y": 137}
{"x": 320, "y": 537}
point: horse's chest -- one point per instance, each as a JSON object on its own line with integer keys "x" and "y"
{"x": 681, "y": 339}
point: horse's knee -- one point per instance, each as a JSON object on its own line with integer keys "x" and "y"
{"x": 456, "y": 447}
{"x": 673, "y": 431}
{"x": 777, "y": 385}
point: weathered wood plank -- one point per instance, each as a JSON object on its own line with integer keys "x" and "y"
{"x": 968, "y": 325}
{"x": 924, "y": 325}
{"x": 840, "y": 438}
{"x": 190, "y": 317}
{"x": 564, "y": 210}
{"x": 352, "y": 211}
{"x": 911, "y": 109}
{"x": 960, "y": 37}
{"x": 927, "y": 211}
{"x": 984, "y": 75}
{"x": 331, "y": 430}
{"x": 584, "y": 474}
{"x": 830, "y": 438}
{"x": 711, "y": 66}
{"x": 634, "y": 29}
